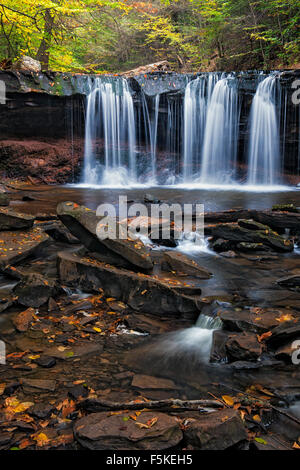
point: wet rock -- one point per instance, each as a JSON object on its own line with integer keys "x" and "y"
{"x": 228, "y": 254}
{"x": 77, "y": 350}
{"x": 284, "y": 333}
{"x": 5, "y": 439}
{"x": 251, "y": 224}
{"x": 83, "y": 222}
{"x": 285, "y": 208}
{"x": 249, "y": 247}
{"x": 216, "y": 431}
{"x": 278, "y": 220}
{"x": 39, "y": 384}
{"x": 140, "y": 292}
{"x": 254, "y": 320}
{"x": 101, "y": 431}
{"x": 45, "y": 361}
{"x": 243, "y": 347}
{"x": 285, "y": 352}
{"x": 60, "y": 233}
{"x": 34, "y": 290}
{"x": 78, "y": 391}
{"x": 20, "y": 245}
{"x": 23, "y": 320}
{"x": 151, "y": 199}
{"x": 221, "y": 245}
{"x": 218, "y": 351}
{"x": 150, "y": 382}
{"x": 5, "y": 303}
{"x": 41, "y": 410}
{"x": 13, "y": 220}
{"x": 290, "y": 281}
{"x": 173, "y": 261}
{"x": 4, "y": 199}
{"x": 236, "y": 233}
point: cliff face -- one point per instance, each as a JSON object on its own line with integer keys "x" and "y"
{"x": 42, "y": 122}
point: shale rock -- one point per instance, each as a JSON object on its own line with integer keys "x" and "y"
{"x": 216, "y": 431}
{"x": 83, "y": 222}
{"x": 27, "y": 64}
{"x": 253, "y": 320}
{"x": 236, "y": 233}
{"x": 16, "y": 246}
{"x": 290, "y": 281}
{"x": 13, "y": 220}
{"x": 278, "y": 220}
{"x": 34, "y": 290}
{"x": 243, "y": 347}
{"x": 285, "y": 332}
{"x": 102, "y": 431}
{"x": 23, "y": 320}
{"x": 173, "y": 261}
{"x": 139, "y": 291}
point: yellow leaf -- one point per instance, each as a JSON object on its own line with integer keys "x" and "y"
{"x": 296, "y": 446}
{"x": 97, "y": 329}
{"x": 228, "y": 400}
{"x": 257, "y": 418}
{"x": 41, "y": 439}
{"x": 2, "y": 388}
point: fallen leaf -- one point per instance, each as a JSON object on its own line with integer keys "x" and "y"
{"x": 228, "y": 400}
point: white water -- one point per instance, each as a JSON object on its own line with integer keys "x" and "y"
{"x": 264, "y": 153}
{"x": 221, "y": 134}
{"x": 192, "y": 343}
{"x": 209, "y": 120}
{"x": 109, "y": 116}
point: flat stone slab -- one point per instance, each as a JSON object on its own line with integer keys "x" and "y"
{"x": 16, "y": 246}
{"x": 46, "y": 385}
{"x": 150, "y": 382}
{"x": 13, "y": 220}
{"x": 180, "y": 263}
{"x": 108, "y": 431}
{"x": 256, "y": 320}
{"x": 216, "y": 431}
{"x": 82, "y": 223}
{"x": 139, "y": 291}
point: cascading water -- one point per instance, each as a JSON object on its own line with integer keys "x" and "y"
{"x": 221, "y": 134}
{"x": 196, "y": 100}
{"x": 264, "y": 147}
{"x": 109, "y": 117}
{"x": 162, "y": 139}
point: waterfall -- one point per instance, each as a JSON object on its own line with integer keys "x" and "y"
{"x": 196, "y": 100}
{"x": 220, "y": 141}
{"x": 109, "y": 133}
{"x": 264, "y": 153}
{"x": 151, "y": 125}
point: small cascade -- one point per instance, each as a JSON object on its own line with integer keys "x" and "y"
{"x": 220, "y": 140}
{"x": 192, "y": 344}
{"x": 110, "y": 124}
{"x": 196, "y": 100}
{"x": 264, "y": 145}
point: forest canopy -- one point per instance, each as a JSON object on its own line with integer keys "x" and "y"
{"x": 115, "y": 36}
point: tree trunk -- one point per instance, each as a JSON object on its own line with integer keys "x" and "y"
{"x": 43, "y": 52}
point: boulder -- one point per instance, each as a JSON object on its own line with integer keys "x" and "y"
{"x": 82, "y": 223}
{"x": 236, "y": 233}
{"x": 221, "y": 245}
{"x": 27, "y": 64}
{"x": 174, "y": 261}
{"x": 139, "y": 291}
{"x": 102, "y": 431}
{"x": 13, "y": 220}
{"x": 216, "y": 431}
{"x": 34, "y": 290}
{"x": 243, "y": 347}
{"x": 278, "y": 220}
{"x": 16, "y": 246}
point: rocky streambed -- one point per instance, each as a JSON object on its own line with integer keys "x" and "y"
{"x": 122, "y": 345}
